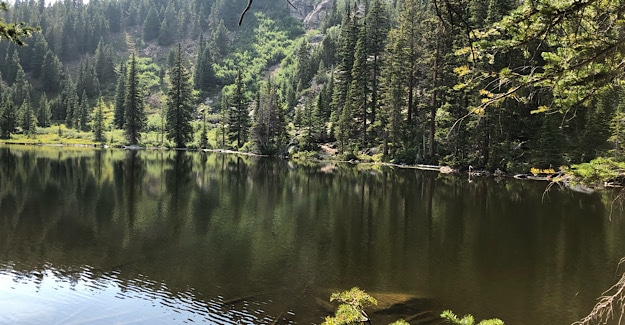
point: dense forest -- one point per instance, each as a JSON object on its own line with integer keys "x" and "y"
{"x": 381, "y": 80}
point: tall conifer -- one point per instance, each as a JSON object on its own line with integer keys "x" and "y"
{"x": 134, "y": 114}
{"x": 179, "y": 108}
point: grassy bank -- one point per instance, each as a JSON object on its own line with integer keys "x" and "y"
{"x": 61, "y": 135}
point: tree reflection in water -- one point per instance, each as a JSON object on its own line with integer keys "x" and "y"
{"x": 225, "y": 237}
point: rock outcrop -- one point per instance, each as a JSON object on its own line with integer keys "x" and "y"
{"x": 311, "y": 15}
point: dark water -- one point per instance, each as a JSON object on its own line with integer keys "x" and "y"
{"x": 149, "y": 237}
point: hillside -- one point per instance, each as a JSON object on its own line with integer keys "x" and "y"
{"x": 370, "y": 80}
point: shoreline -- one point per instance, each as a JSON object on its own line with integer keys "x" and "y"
{"x": 560, "y": 178}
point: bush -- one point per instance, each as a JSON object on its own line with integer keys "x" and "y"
{"x": 451, "y": 318}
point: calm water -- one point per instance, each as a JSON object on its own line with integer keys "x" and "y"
{"x": 113, "y": 236}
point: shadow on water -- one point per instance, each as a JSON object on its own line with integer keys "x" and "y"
{"x": 104, "y": 235}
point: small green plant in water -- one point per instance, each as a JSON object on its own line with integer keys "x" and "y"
{"x": 451, "y": 318}
{"x": 351, "y": 311}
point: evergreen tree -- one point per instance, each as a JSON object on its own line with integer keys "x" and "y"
{"x": 11, "y": 69}
{"x": 51, "y": 73}
{"x": 305, "y": 70}
{"x": 223, "y": 119}
{"x": 166, "y": 33}
{"x": 239, "y": 116}
{"x": 593, "y": 141}
{"x": 219, "y": 41}
{"x": 28, "y": 121}
{"x": 617, "y": 128}
{"x": 410, "y": 17}
{"x": 312, "y": 123}
{"x": 120, "y": 96}
{"x": 344, "y": 129}
{"x": 82, "y": 116}
{"x": 104, "y": 62}
{"x": 44, "y": 113}
{"x": 40, "y": 50}
{"x": 151, "y": 26}
{"x": 359, "y": 91}
{"x": 179, "y": 108}
{"x": 393, "y": 93}
{"x": 134, "y": 114}
{"x": 204, "y": 74}
{"x": 550, "y": 143}
{"x": 324, "y": 100}
{"x": 22, "y": 89}
{"x": 88, "y": 80}
{"x": 377, "y": 28}
{"x": 72, "y": 103}
{"x": 345, "y": 56}
{"x": 8, "y": 117}
{"x": 199, "y": 62}
{"x": 204, "y": 135}
{"x": 268, "y": 129}
{"x": 98, "y": 121}
{"x": 114, "y": 16}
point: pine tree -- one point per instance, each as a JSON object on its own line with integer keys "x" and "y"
{"x": 51, "y": 72}
{"x": 166, "y": 33}
{"x": 199, "y": 62}
{"x": 311, "y": 122}
{"x": 151, "y": 26}
{"x": 593, "y": 140}
{"x": 223, "y": 119}
{"x": 11, "y": 69}
{"x": 304, "y": 72}
{"x": 268, "y": 130}
{"x": 44, "y": 113}
{"x": 98, "y": 121}
{"x": 410, "y": 17}
{"x": 218, "y": 43}
{"x": 8, "y": 117}
{"x": 203, "y": 75}
{"x": 359, "y": 91}
{"x": 120, "y": 96}
{"x": 82, "y": 116}
{"x": 344, "y": 129}
{"x": 345, "y": 56}
{"x": 39, "y": 52}
{"x": 134, "y": 114}
{"x": 378, "y": 25}
{"x": 238, "y": 116}
{"x": 21, "y": 87}
{"x": 104, "y": 62}
{"x": 88, "y": 80}
{"x": 617, "y": 128}
{"x": 204, "y": 135}
{"x": 393, "y": 93}
{"x": 28, "y": 121}
{"x": 179, "y": 108}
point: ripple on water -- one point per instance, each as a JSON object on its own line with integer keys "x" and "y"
{"x": 86, "y": 296}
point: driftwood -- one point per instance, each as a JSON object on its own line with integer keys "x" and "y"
{"x": 247, "y": 297}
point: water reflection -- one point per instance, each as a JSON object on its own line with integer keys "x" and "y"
{"x": 88, "y": 296}
{"x": 226, "y": 239}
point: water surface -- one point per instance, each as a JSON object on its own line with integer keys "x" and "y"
{"x": 146, "y": 237}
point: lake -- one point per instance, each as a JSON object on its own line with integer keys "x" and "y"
{"x": 94, "y": 236}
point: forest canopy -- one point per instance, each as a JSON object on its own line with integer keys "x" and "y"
{"x": 440, "y": 82}
{"x": 573, "y": 49}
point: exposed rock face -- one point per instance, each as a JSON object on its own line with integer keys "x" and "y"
{"x": 311, "y": 15}
{"x": 302, "y": 8}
